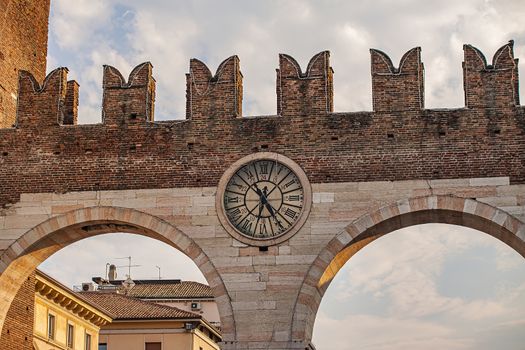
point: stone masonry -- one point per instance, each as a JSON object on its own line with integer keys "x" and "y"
{"x": 371, "y": 173}
{"x": 265, "y": 298}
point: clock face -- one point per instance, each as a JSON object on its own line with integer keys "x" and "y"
{"x": 263, "y": 199}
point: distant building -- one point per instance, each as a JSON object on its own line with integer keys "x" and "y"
{"x": 185, "y": 295}
{"x": 64, "y": 319}
{"x": 142, "y": 325}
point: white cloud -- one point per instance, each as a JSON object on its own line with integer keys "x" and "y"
{"x": 398, "y": 279}
{"x": 169, "y": 33}
{"x": 73, "y": 24}
{"x": 380, "y": 333}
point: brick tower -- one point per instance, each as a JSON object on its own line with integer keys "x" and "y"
{"x": 23, "y": 46}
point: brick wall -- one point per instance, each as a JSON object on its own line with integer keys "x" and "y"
{"x": 23, "y": 45}
{"x": 398, "y": 141}
{"x": 17, "y": 333}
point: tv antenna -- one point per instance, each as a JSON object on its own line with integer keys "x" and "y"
{"x": 129, "y": 266}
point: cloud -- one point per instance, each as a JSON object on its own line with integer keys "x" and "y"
{"x": 380, "y": 333}
{"x": 401, "y": 279}
{"x": 170, "y": 33}
{"x": 73, "y": 26}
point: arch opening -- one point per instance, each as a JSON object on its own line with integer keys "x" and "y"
{"x": 423, "y": 210}
{"x": 417, "y": 218}
{"x": 47, "y": 238}
{"x": 430, "y": 286}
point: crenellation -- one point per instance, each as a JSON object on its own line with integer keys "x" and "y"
{"x": 305, "y": 93}
{"x": 128, "y": 102}
{"x": 397, "y": 89}
{"x": 309, "y": 93}
{"x": 41, "y": 105}
{"x": 490, "y": 86}
{"x": 214, "y": 97}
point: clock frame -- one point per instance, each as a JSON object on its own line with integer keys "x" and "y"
{"x": 263, "y": 199}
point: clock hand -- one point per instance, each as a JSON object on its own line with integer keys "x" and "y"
{"x": 272, "y": 213}
{"x": 257, "y": 190}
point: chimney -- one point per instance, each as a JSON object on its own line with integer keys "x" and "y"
{"x": 112, "y": 275}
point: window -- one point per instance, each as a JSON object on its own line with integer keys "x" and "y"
{"x": 70, "y": 335}
{"x": 103, "y": 346}
{"x": 51, "y": 326}
{"x": 153, "y": 346}
{"x": 87, "y": 342}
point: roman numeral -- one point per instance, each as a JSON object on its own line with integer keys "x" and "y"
{"x": 232, "y": 199}
{"x": 262, "y": 229}
{"x": 290, "y": 213}
{"x": 294, "y": 198}
{"x": 264, "y": 168}
{"x": 289, "y": 183}
{"x": 248, "y": 173}
{"x": 247, "y": 225}
{"x": 234, "y": 213}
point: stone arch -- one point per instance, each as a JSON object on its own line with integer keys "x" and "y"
{"x": 37, "y": 244}
{"x": 421, "y": 210}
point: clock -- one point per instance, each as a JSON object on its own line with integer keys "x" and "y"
{"x": 263, "y": 199}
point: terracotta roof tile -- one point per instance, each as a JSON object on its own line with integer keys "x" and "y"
{"x": 122, "y": 307}
{"x": 180, "y": 290}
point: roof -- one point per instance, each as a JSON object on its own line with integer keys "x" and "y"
{"x": 144, "y": 289}
{"x": 45, "y": 282}
{"x": 123, "y": 307}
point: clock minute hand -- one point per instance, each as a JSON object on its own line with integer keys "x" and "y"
{"x": 272, "y": 213}
{"x": 257, "y": 190}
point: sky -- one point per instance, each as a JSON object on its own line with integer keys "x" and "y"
{"x": 429, "y": 287}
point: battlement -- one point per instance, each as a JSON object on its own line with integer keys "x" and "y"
{"x": 306, "y": 93}
{"x": 494, "y": 85}
{"x": 42, "y": 105}
{"x": 397, "y": 89}
{"x": 219, "y": 96}
{"x": 398, "y": 140}
{"x": 128, "y": 102}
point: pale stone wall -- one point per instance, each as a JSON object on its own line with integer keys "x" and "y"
{"x": 262, "y": 288}
{"x": 123, "y": 335}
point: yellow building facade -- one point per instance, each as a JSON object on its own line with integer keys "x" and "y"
{"x": 68, "y": 320}
{"x": 63, "y": 320}
{"x": 154, "y": 335}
